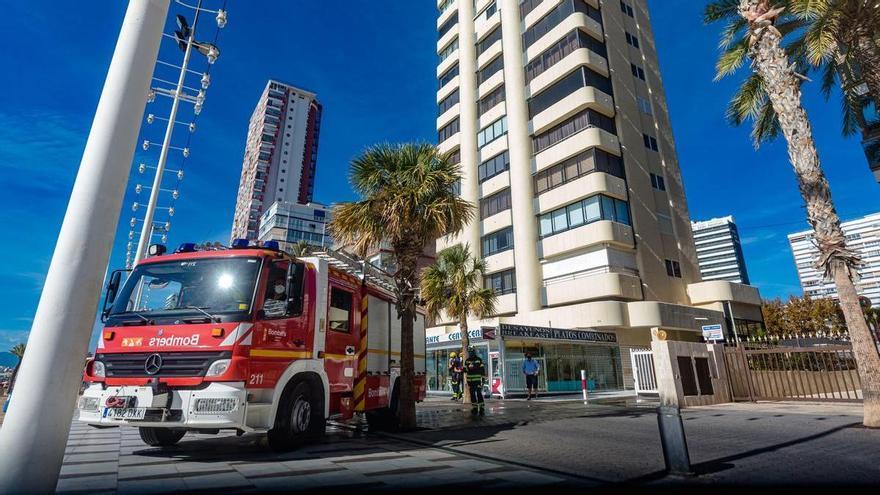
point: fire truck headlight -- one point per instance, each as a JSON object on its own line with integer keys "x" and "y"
{"x": 98, "y": 370}
{"x": 218, "y": 367}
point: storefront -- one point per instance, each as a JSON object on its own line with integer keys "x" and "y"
{"x": 561, "y": 353}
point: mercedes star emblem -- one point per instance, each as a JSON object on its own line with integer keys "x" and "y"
{"x": 153, "y": 364}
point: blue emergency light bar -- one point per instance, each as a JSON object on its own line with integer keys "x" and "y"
{"x": 272, "y": 245}
{"x": 186, "y": 247}
{"x": 240, "y": 244}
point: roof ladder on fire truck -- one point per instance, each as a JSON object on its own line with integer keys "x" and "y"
{"x": 363, "y": 270}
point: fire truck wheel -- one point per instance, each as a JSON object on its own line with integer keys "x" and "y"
{"x": 298, "y": 420}
{"x": 161, "y": 437}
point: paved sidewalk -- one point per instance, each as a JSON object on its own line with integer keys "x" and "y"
{"x": 115, "y": 460}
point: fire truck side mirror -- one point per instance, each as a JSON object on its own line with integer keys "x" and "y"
{"x": 112, "y": 292}
{"x": 295, "y": 279}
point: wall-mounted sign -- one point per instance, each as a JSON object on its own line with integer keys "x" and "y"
{"x": 453, "y": 337}
{"x": 546, "y": 333}
{"x": 713, "y": 332}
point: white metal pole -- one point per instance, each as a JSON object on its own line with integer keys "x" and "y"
{"x": 34, "y": 432}
{"x": 584, "y": 384}
{"x": 146, "y": 236}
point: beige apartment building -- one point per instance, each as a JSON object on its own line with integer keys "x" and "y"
{"x": 557, "y": 113}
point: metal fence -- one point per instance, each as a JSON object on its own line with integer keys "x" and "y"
{"x": 824, "y": 372}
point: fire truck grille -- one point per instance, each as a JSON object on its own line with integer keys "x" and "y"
{"x": 170, "y": 364}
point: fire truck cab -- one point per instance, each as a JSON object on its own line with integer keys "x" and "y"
{"x": 248, "y": 339}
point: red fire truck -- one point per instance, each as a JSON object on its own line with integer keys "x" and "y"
{"x": 247, "y": 339}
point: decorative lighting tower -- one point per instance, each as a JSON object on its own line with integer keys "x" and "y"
{"x": 178, "y": 92}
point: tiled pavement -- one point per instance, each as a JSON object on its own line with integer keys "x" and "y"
{"x": 115, "y": 460}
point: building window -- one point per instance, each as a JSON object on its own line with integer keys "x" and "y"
{"x": 491, "y": 132}
{"x": 627, "y": 9}
{"x": 527, "y": 6}
{"x": 495, "y": 204}
{"x": 494, "y": 166}
{"x": 447, "y": 131}
{"x": 581, "y": 78}
{"x": 447, "y": 26}
{"x": 454, "y": 157}
{"x": 448, "y": 76}
{"x": 490, "y": 69}
{"x": 637, "y": 71}
{"x": 557, "y": 15}
{"x": 502, "y": 282}
{"x": 644, "y": 106}
{"x": 587, "y": 211}
{"x": 650, "y": 142}
{"x": 673, "y": 268}
{"x": 658, "y": 182}
{"x": 573, "y": 41}
{"x": 498, "y": 241}
{"x": 449, "y": 50}
{"x": 489, "y": 40}
{"x": 448, "y": 102}
{"x": 632, "y": 40}
{"x": 592, "y": 160}
{"x": 584, "y": 120}
{"x": 490, "y": 100}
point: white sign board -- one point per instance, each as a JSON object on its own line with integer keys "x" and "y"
{"x": 713, "y": 332}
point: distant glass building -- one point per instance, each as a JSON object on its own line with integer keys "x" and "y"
{"x": 290, "y": 223}
{"x": 863, "y": 237}
{"x": 719, "y": 250}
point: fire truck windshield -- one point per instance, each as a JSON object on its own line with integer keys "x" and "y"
{"x": 209, "y": 286}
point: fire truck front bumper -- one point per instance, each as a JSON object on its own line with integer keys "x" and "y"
{"x": 217, "y": 406}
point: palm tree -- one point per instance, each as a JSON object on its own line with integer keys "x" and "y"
{"x": 762, "y": 41}
{"x": 821, "y": 35}
{"x": 18, "y": 351}
{"x": 301, "y": 249}
{"x": 407, "y": 201}
{"x": 454, "y": 285}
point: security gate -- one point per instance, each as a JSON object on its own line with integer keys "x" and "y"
{"x": 643, "y": 372}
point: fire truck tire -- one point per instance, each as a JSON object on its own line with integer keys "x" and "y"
{"x": 161, "y": 437}
{"x": 299, "y": 418}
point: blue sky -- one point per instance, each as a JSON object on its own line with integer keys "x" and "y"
{"x": 374, "y": 72}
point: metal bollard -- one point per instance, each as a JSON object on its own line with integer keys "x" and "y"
{"x": 672, "y": 438}
{"x": 584, "y": 385}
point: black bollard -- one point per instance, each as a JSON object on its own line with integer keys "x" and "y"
{"x": 675, "y": 450}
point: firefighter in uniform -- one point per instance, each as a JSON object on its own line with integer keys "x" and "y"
{"x": 455, "y": 374}
{"x": 475, "y": 372}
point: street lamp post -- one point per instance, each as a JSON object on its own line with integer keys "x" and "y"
{"x": 35, "y": 429}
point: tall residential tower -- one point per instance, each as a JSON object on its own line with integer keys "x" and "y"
{"x": 557, "y": 113}
{"x": 280, "y": 156}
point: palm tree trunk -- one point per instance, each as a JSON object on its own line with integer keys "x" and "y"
{"x": 465, "y": 345}
{"x": 405, "y": 279}
{"x": 771, "y": 63}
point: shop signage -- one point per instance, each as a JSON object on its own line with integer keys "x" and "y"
{"x": 527, "y": 332}
{"x": 453, "y": 337}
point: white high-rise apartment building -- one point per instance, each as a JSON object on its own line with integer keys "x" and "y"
{"x": 557, "y": 113}
{"x": 719, "y": 250}
{"x": 863, "y": 237}
{"x": 280, "y": 157}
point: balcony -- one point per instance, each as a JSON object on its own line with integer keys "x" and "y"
{"x": 505, "y": 304}
{"x": 496, "y": 222}
{"x": 488, "y": 25}
{"x": 603, "y": 232}
{"x": 450, "y": 144}
{"x": 575, "y": 59}
{"x": 493, "y": 114}
{"x": 489, "y": 55}
{"x": 592, "y": 137}
{"x": 447, "y": 63}
{"x": 499, "y": 262}
{"x": 495, "y": 184}
{"x": 581, "y": 99}
{"x": 489, "y": 85}
{"x": 448, "y": 116}
{"x": 592, "y": 286}
{"x": 447, "y": 38}
{"x": 448, "y": 89}
{"x": 580, "y": 188}
{"x": 576, "y": 20}
{"x": 444, "y": 16}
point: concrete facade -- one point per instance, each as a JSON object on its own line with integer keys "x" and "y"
{"x": 719, "y": 250}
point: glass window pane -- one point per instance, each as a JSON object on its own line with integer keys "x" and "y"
{"x": 591, "y": 208}
{"x": 560, "y": 220}
{"x": 608, "y": 212}
{"x": 546, "y": 225}
{"x": 622, "y": 212}
{"x": 575, "y": 215}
